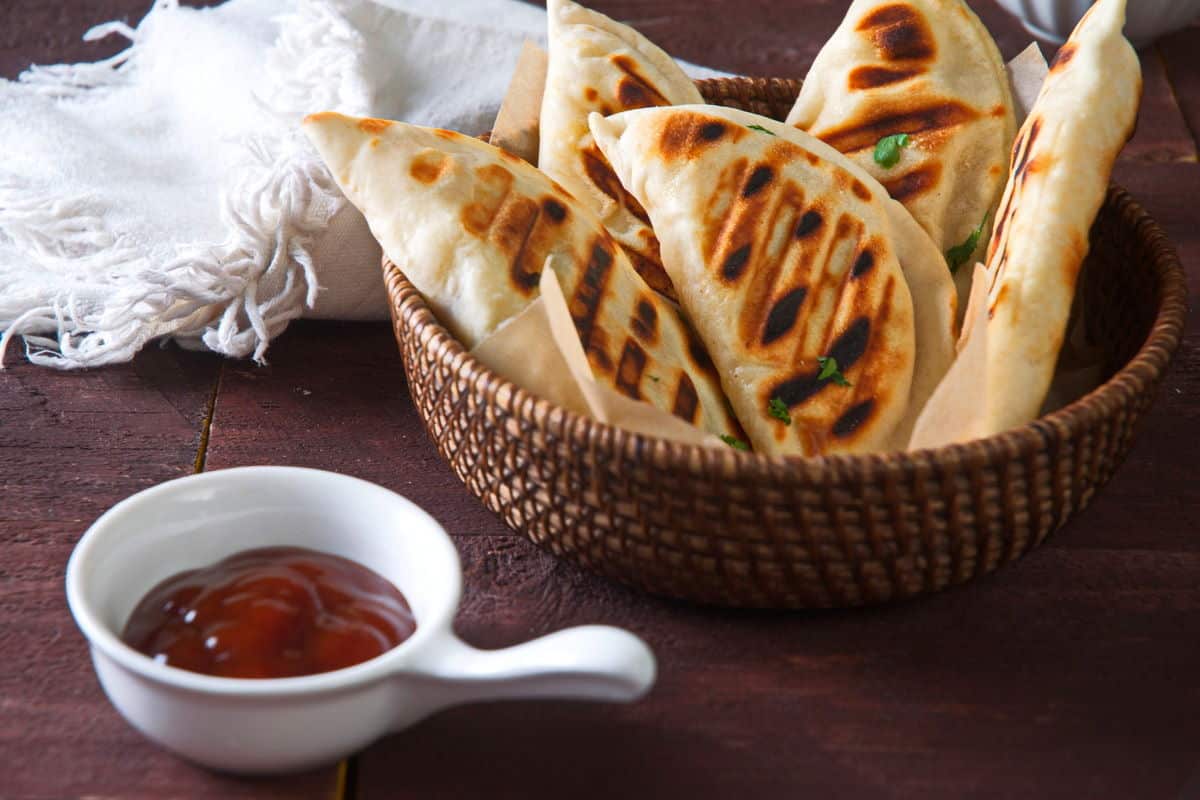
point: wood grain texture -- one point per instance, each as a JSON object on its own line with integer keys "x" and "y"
{"x": 1178, "y": 52}
{"x": 334, "y": 397}
{"x": 1072, "y": 673}
{"x": 71, "y": 445}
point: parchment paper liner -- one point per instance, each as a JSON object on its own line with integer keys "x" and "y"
{"x": 539, "y": 349}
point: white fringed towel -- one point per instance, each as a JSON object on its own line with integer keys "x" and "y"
{"x": 166, "y": 192}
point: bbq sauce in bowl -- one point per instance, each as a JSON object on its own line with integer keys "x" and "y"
{"x": 275, "y": 612}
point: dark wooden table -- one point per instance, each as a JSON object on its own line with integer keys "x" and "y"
{"x": 1074, "y": 673}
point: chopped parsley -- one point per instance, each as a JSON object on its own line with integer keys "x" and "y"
{"x": 655, "y": 378}
{"x": 960, "y": 254}
{"x": 887, "y": 149}
{"x": 734, "y": 442}
{"x": 779, "y": 410}
{"x": 760, "y": 128}
{"x": 830, "y": 371}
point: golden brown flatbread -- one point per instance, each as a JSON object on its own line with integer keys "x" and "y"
{"x": 931, "y": 70}
{"x": 597, "y": 64}
{"x": 1061, "y": 162}
{"x": 473, "y": 227}
{"x": 785, "y": 260}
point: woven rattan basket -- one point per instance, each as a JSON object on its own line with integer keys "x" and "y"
{"x": 718, "y": 526}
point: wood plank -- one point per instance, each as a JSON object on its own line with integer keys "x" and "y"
{"x": 1180, "y": 53}
{"x": 334, "y": 397}
{"x": 1153, "y": 502}
{"x": 71, "y": 445}
{"x": 1073, "y": 674}
{"x": 1161, "y": 135}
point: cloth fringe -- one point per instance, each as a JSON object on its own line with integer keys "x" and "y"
{"x": 235, "y": 295}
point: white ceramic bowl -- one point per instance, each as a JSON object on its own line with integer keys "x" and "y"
{"x": 1146, "y": 20}
{"x": 277, "y": 725}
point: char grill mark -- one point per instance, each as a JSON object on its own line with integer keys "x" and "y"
{"x": 649, "y": 266}
{"x": 495, "y": 185}
{"x": 735, "y": 264}
{"x": 725, "y": 212}
{"x": 917, "y": 182}
{"x": 374, "y": 126}
{"x": 511, "y": 230}
{"x": 1065, "y": 54}
{"x": 863, "y": 264}
{"x": 685, "y": 135}
{"x": 760, "y": 177}
{"x": 934, "y": 116}
{"x": 899, "y": 33}
{"x": 1024, "y": 145}
{"x": 635, "y": 90}
{"x": 827, "y": 274}
{"x": 554, "y": 210}
{"x": 630, "y": 369}
{"x": 758, "y": 204}
{"x": 798, "y": 389}
{"x": 746, "y": 253}
{"x": 526, "y": 272}
{"x": 429, "y": 166}
{"x": 587, "y": 298}
{"x": 631, "y": 95}
{"x": 645, "y": 321}
{"x": 850, "y": 346}
{"x": 1022, "y": 149}
{"x": 847, "y": 349}
{"x": 782, "y": 316}
{"x": 873, "y": 77}
{"x": 604, "y": 178}
{"x": 808, "y": 224}
{"x": 509, "y": 220}
{"x": 699, "y": 355}
{"x": 884, "y": 16}
{"x": 853, "y": 419}
{"x": 687, "y": 402}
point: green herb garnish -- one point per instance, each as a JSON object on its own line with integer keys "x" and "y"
{"x": 887, "y": 149}
{"x": 655, "y": 378}
{"x": 830, "y": 371}
{"x": 961, "y": 254}
{"x": 734, "y": 442}
{"x": 760, "y": 128}
{"x": 779, "y": 410}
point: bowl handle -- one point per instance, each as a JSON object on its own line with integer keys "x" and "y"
{"x": 591, "y": 662}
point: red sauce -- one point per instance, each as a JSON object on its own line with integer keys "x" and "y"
{"x": 275, "y": 612}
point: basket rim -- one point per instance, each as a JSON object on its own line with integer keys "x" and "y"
{"x": 1138, "y": 376}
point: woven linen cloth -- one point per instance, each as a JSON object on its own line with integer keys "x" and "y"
{"x": 166, "y": 192}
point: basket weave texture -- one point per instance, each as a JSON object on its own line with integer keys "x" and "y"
{"x": 722, "y": 527}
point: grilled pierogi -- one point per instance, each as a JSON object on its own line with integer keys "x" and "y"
{"x": 927, "y": 70}
{"x": 1058, "y": 178}
{"x": 472, "y": 228}
{"x": 599, "y": 65}
{"x": 785, "y": 257}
